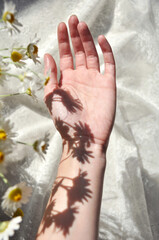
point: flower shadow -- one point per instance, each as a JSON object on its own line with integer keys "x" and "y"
{"x": 78, "y": 142}
{"x": 78, "y": 192}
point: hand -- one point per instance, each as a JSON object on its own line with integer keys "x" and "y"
{"x": 82, "y": 106}
{"x": 83, "y": 103}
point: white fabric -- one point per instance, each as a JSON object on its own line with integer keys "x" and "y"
{"x": 131, "y": 187}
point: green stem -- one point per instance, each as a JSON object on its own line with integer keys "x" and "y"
{"x": 9, "y": 74}
{"x": 12, "y": 94}
{"x": 5, "y": 57}
{"x": 28, "y": 144}
{"x": 16, "y": 63}
{"x": 3, "y": 49}
{"x": 4, "y": 178}
{"x": 1, "y": 20}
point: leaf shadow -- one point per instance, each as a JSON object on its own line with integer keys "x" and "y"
{"x": 71, "y": 104}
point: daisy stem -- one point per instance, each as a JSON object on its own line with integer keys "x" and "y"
{"x": 1, "y": 20}
{"x": 5, "y": 57}
{"x": 9, "y": 74}
{"x": 16, "y": 63}
{"x": 3, "y": 178}
{"x": 28, "y": 144}
{"x": 12, "y": 94}
{"x": 4, "y": 49}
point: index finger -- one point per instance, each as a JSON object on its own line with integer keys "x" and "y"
{"x": 108, "y": 55}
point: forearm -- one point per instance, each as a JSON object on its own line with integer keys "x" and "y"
{"x": 74, "y": 205}
{"x": 83, "y": 108}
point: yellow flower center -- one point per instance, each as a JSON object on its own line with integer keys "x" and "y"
{"x": 28, "y": 91}
{"x": 3, "y": 134}
{"x": 18, "y": 213}
{"x": 35, "y": 51}
{"x": 1, "y": 157}
{"x": 3, "y": 226}
{"x": 8, "y": 16}
{"x": 16, "y": 56}
{"x": 43, "y": 147}
{"x": 15, "y": 195}
{"x": 46, "y": 80}
{"x": 32, "y": 49}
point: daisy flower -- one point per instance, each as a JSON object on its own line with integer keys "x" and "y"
{"x": 15, "y": 196}
{"x": 6, "y": 133}
{"x": 9, "y": 18}
{"x": 41, "y": 80}
{"x": 31, "y": 89}
{"x": 18, "y": 55}
{"x": 41, "y": 145}
{"x": 7, "y": 228}
{"x": 32, "y": 49}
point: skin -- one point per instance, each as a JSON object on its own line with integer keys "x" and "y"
{"x": 83, "y": 98}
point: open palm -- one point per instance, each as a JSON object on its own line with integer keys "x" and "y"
{"x": 83, "y": 103}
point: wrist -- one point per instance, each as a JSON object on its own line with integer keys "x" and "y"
{"x": 82, "y": 152}
{"x": 91, "y": 159}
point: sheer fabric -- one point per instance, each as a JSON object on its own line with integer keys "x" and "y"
{"x": 131, "y": 188}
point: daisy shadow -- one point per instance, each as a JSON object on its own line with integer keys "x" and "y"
{"x": 79, "y": 191}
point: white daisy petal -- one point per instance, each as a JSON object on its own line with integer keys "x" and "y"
{"x": 9, "y": 5}
{"x": 15, "y": 196}
{"x": 9, "y": 18}
{"x": 41, "y": 145}
{"x": 32, "y": 49}
{"x": 6, "y": 132}
{"x": 7, "y": 228}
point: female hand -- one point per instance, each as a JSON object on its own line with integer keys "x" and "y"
{"x": 83, "y": 103}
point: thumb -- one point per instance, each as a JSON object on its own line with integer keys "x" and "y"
{"x": 50, "y": 72}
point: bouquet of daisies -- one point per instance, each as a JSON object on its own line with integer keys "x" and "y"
{"x": 16, "y": 57}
